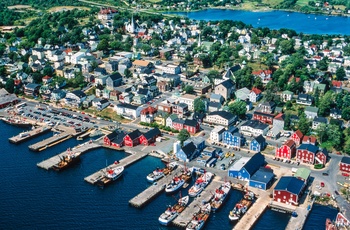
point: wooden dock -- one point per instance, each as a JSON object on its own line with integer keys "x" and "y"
{"x": 303, "y": 212}
{"x": 47, "y": 164}
{"x": 29, "y": 134}
{"x": 153, "y": 190}
{"x": 253, "y": 213}
{"x": 93, "y": 178}
{"x": 51, "y": 141}
{"x": 186, "y": 216}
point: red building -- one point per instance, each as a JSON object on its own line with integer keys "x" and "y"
{"x": 287, "y": 150}
{"x": 192, "y": 126}
{"x": 345, "y": 164}
{"x": 150, "y": 137}
{"x": 310, "y": 154}
{"x": 114, "y": 139}
{"x": 132, "y": 139}
{"x": 263, "y": 117}
{"x": 309, "y": 140}
{"x": 297, "y": 137}
{"x": 288, "y": 190}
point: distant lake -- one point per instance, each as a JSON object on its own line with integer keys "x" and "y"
{"x": 300, "y": 22}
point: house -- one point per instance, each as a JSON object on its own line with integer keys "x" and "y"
{"x": 132, "y": 139}
{"x": 306, "y": 153}
{"x": 223, "y": 118}
{"x": 216, "y": 98}
{"x": 297, "y": 137}
{"x": 287, "y": 150}
{"x": 170, "y": 119}
{"x": 128, "y": 111}
{"x": 335, "y": 113}
{"x": 88, "y": 101}
{"x": 199, "y": 142}
{"x": 287, "y": 96}
{"x": 245, "y": 167}
{"x": 262, "y": 179}
{"x": 113, "y": 80}
{"x": 344, "y": 164}
{"x": 206, "y": 155}
{"x": 100, "y": 104}
{"x": 31, "y": 89}
{"x": 242, "y": 94}
{"x": 309, "y": 140}
{"x": 258, "y": 144}
{"x": 57, "y": 94}
{"x": 75, "y": 98}
{"x": 317, "y": 121}
{"x": 308, "y": 86}
{"x": 187, "y": 153}
{"x": 198, "y": 117}
{"x": 265, "y": 75}
{"x": 147, "y": 114}
{"x": 189, "y": 100}
{"x": 192, "y": 126}
{"x": 106, "y": 13}
{"x": 214, "y": 106}
{"x": 114, "y": 139}
{"x": 150, "y": 136}
{"x": 233, "y": 138}
{"x": 303, "y": 174}
{"x": 7, "y": 99}
{"x": 304, "y": 99}
{"x": 254, "y": 128}
{"x": 216, "y": 134}
{"x": 311, "y": 112}
{"x": 180, "y": 109}
{"x": 255, "y": 95}
{"x": 337, "y": 86}
{"x": 47, "y": 79}
{"x": 288, "y": 190}
{"x": 225, "y": 89}
{"x": 263, "y": 117}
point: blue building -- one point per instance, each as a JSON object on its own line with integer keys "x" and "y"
{"x": 262, "y": 179}
{"x": 186, "y": 153}
{"x": 232, "y": 138}
{"x": 258, "y": 144}
{"x": 199, "y": 142}
{"x": 207, "y": 155}
{"x": 245, "y": 167}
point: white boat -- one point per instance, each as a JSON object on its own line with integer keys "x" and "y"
{"x": 200, "y": 184}
{"x": 155, "y": 175}
{"x": 115, "y": 173}
{"x": 220, "y": 195}
{"x": 175, "y": 184}
{"x": 199, "y": 218}
{"x": 172, "y": 212}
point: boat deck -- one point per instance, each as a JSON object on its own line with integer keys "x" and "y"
{"x": 149, "y": 193}
{"x": 48, "y": 163}
{"x": 93, "y": 178}
{"x": 29, "y": 134}
{"x": 186, "y": 216}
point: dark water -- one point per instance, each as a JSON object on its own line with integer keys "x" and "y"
{"x": 33, "y": 198}
{"x": 317, "y": 218}
{"x": 272, "y": 220}
{"x": 300, "y": 22}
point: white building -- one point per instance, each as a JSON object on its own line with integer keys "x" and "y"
{"x": 216, "y": 133}
{"x": 254, "y": 128}
{"x": 188, "y": 99}
{"x": 128, "y": 111}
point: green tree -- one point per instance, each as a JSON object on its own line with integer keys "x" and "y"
{"x": 335, "y": 135}
{"x": 287, "y": 46}
{"x": 127, "y": 73}
{"x": 345, "y": 114}
{"x": 323, "y": 64}
{"x": 103, "y": 45}
{"x": 198, "y": 105}
{"x": 188, "y": 89}
{"x": 304, "y": 124}
{"x": 317, "y": 96}
{"x": 258, "y": 83}
{"x": 238, "y": 108}
{"x": 10, "y": 84}
{"x": 340, "y": 74}
{"x": 2, "y": 70}
{"x": 183, "y": 135}
{"x": 325, "y": 104}
{"x": 321, "y": 132}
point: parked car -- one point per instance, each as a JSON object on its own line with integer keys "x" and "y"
{"x": 325, "y": 174}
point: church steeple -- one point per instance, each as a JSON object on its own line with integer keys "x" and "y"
{"x": 199, "y": 40}
{"x": 132, "y": 24}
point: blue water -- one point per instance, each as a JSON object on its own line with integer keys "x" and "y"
{"x": 318, "y": 216}
{"x": 33, "y": 198}
{"x": 300, "y": 22}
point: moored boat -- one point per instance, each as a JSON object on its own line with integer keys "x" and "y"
{"x": 200, "y": 184}
{"x": 220, "y": 195}
{"x": 170, "y": 167}
{"x": 199, "y": 218}
{"x": 330, "y": 225}
{"x": 175, "y": 184}
{"x": 242, "y": 206}
{"x": 342, "y": 221}
{"x": 110, "y": 175}
{"x": 16, "y": 122}
{"x": 155, "y": 175}
{"x": 172, "y": 212}
{"x": 67, "y": 160}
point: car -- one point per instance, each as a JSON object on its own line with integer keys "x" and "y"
{"x": 336, "y": 192}
{"x": 345, "y": 174}
{"x": 325, "y": 174}
{"x": 322, "y": 184}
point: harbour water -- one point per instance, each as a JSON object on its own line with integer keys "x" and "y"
{"x": 300, "y": 22}
{"x": 33, "y": 198}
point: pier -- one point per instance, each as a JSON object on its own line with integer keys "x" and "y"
{"x": 92, "y": 179}
{"x": 186, "y": 216}
{"x": 149, "y": 193}
{"x": 252, "y": 215}
{"x": 29, "y": 134}
{"x": 47, "y": 164}
{"x": 299, "y": 221}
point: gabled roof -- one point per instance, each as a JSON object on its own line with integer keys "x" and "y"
{"x": 115, "y": 76}
{"x": 263, "y": 175}
{"x": 345, "y": 160}
{"x": 311, "y": 109}
{"x": 309, "y": 139}
{"x": 299, "y": 134}
{"x": 303, "y": 173}
{"x": 179, "y": 121}
{"x": 260, "y": 139}
{"x": 141, "y": 63}
{"x": 256, "y": 91}
{"x": 79, "y": 93}
{"x": 223, "y": 114}
{"x": 227, "y": 84}
{"x": 321, "y": 120}
{"x": 190, "y": 122}
{"x": 152, "y": 133}
{"x": 189, "y": 149}
{"x": 134, "y": 134}
{"x": 290, "y": 184}
{"x": 255, "y": 124}
{"x": 308, "y": 147}
{"x": 148, "y": 110}
{"x": 254, "y": 163}
{"x": 289, "y": 143}
{"x": 280, "y": 117}
{"x": 172, "y": 117}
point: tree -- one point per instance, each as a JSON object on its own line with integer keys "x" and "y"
{"x": 238, "y": 108}
{"x": 303, "y": 124}
{"x": 323, "y": 64}
{"x": 287, "y": 46}
{"x": 340, "y": 74}
{"x": 183, "y": 135}
{"x": 103, "y": 45}
{"x": 9, "y": 86}
{"x": 198, "y": 105}
{"x": 325, "y": 104}
{"x": 188, "y": 89}
{"x": 346, "y": 113}
{"x": 335, "y": 135}
{"x": 127, "y": 73}
{"x": 2, "y": 70}
{"x": 321, "y": 132}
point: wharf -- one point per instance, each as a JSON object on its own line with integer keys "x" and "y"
{"x": 148, "y": 194}
{"x": 85, "y": 134}
{"x": 47, "y": 164}
{"x": 252, "y": 215}
{"x": 93, "y": 178}
{"x": 58, "y": 138}
{"x": 186, "y": 216}
{"x": 296, "y": 223}
{"x": 29, "y": 134}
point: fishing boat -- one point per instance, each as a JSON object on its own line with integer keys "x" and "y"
{"x": 199, "y": 218}
{"x": 330, "y": 225}
{"x": 220, "y": 195}
{"x": 175, "y": 184}
{"x": 200, "y": 184}
{"x": 110, "y": 175}
{"x": 16, "y": 122}
{"x": 170, "y": 167}
{"x": 173, "y": 211}
{"x": 242, "y": 206}
{"x": 342, "y": 221}
{"x": 67, "y": 160}
{"x": 155, "y": 175}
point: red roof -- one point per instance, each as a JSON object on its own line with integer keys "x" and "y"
{"x": 46, "y": 77}
{"x": 68, "y": 50}
{"x": 256, "y": 91}
{"x": 310, "y": 139}
{"x": 337, "y": 84}
{"x": 298, "y": 133}
{"x": 259, "y": 72}
{"x": 289, "y": 143}
{"x": 148, "y": 110}
{"x": 279, "y": 116}
{"x": 108, "y": 11}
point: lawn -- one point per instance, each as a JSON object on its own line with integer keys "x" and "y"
{"x": 107, "y": 113}
{"x": 302, "y": 2}
{"x": 257, "y": 66}
{"x": 272, "y": 3}
{"x": 64, "y": 8}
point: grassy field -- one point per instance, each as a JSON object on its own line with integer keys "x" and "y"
{"x": 272, "y": 3}
{"x": 63, "y": 8}
{"x": 302, "y": 2}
